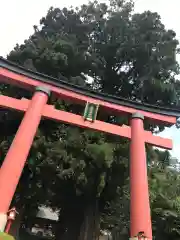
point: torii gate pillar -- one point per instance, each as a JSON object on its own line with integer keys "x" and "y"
{"x": 15, "y": 159}
{"x": 140, "y": 216}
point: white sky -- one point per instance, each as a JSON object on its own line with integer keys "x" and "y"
{"x": 17, "y": 18}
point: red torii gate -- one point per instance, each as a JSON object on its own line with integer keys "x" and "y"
{"x": 37, "y": 107}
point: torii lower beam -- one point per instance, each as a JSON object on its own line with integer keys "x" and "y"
{"x": 58, "y": 115}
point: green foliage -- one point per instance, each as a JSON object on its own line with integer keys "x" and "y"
{"x": 164, "y": 186}
{"x": 131, "y": 55}
{"x": 165, "y": 192}
{"x": 5, "y": 236}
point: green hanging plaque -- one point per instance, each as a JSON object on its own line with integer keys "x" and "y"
{"x": 90, "y": 112}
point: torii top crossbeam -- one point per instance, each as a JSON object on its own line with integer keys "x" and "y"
{"x": 17, "y": 75}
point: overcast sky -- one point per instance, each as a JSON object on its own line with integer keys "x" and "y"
{"x": 17, "y": 18}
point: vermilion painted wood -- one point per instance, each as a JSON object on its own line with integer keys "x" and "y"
{"x": 8, "y": 226}
{"x": 25, "y": 82}
{"x": 140, "y": 215}
{"x": 15, "y": 159}
{"x": 51, "y": 113}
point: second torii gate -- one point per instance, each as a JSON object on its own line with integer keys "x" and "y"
{"x": 37, "y": 107}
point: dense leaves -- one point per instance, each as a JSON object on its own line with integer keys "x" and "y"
{"x": 5, "y": 236}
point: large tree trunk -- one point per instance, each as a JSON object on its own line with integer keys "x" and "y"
{"x": 70, "y": 222}
{"x": 73, "y": 230}
{"x": 60, "y": 227}
{"x": 90, "y": 226}
{"x": 79, "y": 223}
